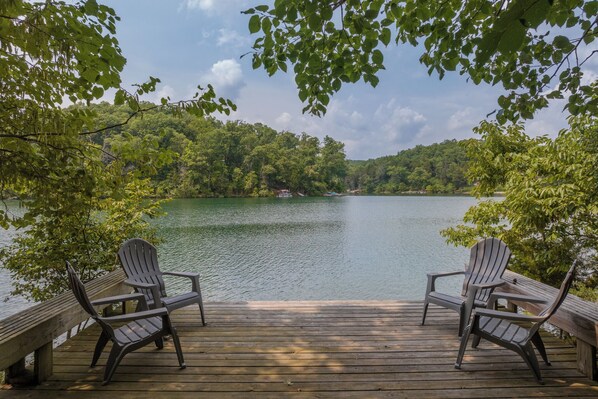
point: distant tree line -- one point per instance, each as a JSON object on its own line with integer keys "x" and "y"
{"x": 437, "y": 168}
{"x": 204, "y": 157}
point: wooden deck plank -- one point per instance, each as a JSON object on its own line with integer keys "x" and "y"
{"x": 321, "y": 349}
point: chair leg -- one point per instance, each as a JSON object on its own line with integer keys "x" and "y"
{"x": 528, "y": 354}
{"x": 203, "y": 319}
{"x": 116, "y": 355}
{"x": 463, "y": 346}
{"x": 100, "y": 345}
{"x": 175, "y": 339}
{"x": 159, "y": 343}
{"x": 462, "y": 319}
{"x": 177, "y": 347}
{"x": 426, "y": 304}
{"x": 539, "y": 344}
{"x": 475, "y": 341}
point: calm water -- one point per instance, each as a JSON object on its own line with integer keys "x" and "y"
{"x": 305, "y": 248}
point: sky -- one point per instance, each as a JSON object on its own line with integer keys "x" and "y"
{"x": 187, "y": 43}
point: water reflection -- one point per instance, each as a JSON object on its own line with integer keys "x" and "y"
{"x": 303, "y": 248}
{"x": 311, "y": 248}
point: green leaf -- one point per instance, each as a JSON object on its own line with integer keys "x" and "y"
{"x": 561, "y": 42}
{"x": 536, "y": 13}
{"x": 512, "y": 39}
{"x": 371, "y": 14}
{"x": 315, "y": 22}
{"x": 254, "y": 24}
{"x": 97, "y": 92}
{"x": 385, "y": 36}
{"x": 377, "y": 57}
{"x": 266, "y": 25}
{"x": 90, "y": 75}
{"x": 256, "y": 62}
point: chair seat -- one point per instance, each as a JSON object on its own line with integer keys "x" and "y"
{"x": 456, "y": 301}
{"x": 180, "y": 300}
{"x": 504, "y": 330}
{"x": 138, "y": 330}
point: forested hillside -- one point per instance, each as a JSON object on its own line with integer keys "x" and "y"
{"x": 209, "y": 158}
{"x": 437, "y": 168}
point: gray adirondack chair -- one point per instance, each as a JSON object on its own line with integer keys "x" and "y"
{"x": 141, "y": 328}
{"x": 514, "y": 331}
{"x": 488, "y": 260}
{"x": 139, "y": 259}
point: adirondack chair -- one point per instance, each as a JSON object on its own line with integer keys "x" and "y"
{"x": 488, "y": 260}
{"x": 139, "y": 259}
{"x": 142, "y": 327}
{"x": 514, "y": 331}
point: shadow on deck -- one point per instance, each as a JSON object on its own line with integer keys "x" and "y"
{"x": 340, "y": 349}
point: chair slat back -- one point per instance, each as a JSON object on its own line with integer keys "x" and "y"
{"x": 558, "y": 300}
{"x": 563, "y": 291}
{"x": 79, "y": 291}
{"x": 488, "y": 261}
{"x": 139, "y": 259}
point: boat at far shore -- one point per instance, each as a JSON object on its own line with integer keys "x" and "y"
{"x": 284, "y": 193}
{"x": 332, "y": 194}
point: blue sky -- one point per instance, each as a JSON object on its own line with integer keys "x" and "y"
{"x": 191, "y": 42}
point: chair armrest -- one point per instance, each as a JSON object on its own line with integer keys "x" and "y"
{"x": 489, "y": 284}
{"x": 146, "y": 314}
{"x": 507, "y": 315}
{"x": 193, "y": 276}
{"x": 512, "y": 297}
{"x": 437, "y": 275}
{"x": 433, "y": 276}
{"x": 138, "y": 284}
{"x": 118, "y": 298}
{"x": 182, "y": 274}
{"x": 153, "y": 288}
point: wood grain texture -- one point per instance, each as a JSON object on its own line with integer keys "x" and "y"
{"x": 337, "y": 349}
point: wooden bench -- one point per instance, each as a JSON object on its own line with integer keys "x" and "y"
{"x": 575, "y": 316}
{"x": 33, "y": 330}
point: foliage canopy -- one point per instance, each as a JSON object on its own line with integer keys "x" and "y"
{"x": 536, "y": 49}
{"x": 549, "y": 213}
{"x": 82, "y": 201}
{"x": 210, "y": 158}
{"x": 437, "y": 168}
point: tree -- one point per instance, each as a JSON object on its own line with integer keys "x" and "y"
{"x": 536, "y": 49}
{"x": 82, "y": 198}
{"x": 548, "y": 215}
{"x": 436, "y": 168}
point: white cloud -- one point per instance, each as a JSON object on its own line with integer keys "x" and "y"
{"x": 227, "y": 37}
{"x": 227, "y": 78}
{"x": 204, "y": 5}
{"x": 283, "y": 121}
{"x": 462, "y": 119}
{"x": 166, "y": 91}
{"x": 400, "y": 125}
{"x": 215, "y": 6}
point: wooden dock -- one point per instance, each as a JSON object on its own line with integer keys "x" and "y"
{"x": 323, "y": 349}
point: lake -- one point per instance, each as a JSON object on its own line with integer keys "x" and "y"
{"x": 312, "y": 248}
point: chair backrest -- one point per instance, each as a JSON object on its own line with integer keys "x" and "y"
{"x": 558, "y": 300}
{"x": 79, "y": 291}
{"x": 139, "y": 259}
{"x": 563, "y": 291}
{"x": 488, "y": 260}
